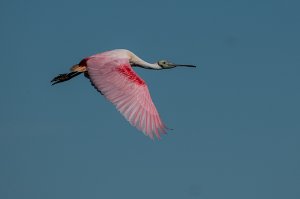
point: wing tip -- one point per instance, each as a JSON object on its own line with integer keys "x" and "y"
{"x": 156, "y": 133}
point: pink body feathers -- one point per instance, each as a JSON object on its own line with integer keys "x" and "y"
{"x": 112, "y": 74}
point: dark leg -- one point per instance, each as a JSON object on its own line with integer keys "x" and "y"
{"x": 64, "y": 77}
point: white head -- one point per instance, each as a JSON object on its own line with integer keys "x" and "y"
{"x": 167, "y": 65}
{"x": 162, "y": 64}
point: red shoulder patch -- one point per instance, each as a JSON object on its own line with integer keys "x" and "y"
{"x": 83, "y": 62}
{"x": 130, "y": 74}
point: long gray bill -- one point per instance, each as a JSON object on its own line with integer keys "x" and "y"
{"x": 186, "y": 65}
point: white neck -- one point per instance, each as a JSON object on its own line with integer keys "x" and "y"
{"x": 136, "y": 61}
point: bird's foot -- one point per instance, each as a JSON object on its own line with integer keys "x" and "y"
{"x": 64, "y": 77}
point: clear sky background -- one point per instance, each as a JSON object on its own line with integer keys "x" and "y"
{"x": 235, "y": 117}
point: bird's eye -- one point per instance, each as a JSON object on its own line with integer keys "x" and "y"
{"x": 162, "y": 63}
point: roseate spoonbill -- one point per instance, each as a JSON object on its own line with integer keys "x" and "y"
{"x": 112, "y": 75}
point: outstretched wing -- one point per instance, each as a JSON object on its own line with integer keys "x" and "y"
{"x": 118, "y": 82}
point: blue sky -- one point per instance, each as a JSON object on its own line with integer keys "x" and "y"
{"x": 235, "y": 117}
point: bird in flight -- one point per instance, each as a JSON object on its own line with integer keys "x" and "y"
{"x": 112, "y": 75}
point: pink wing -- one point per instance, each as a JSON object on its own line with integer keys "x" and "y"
{"x": 118, "y": 82}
